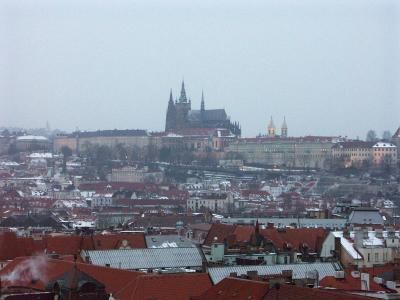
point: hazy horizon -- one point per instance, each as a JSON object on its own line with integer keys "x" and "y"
{"x": 331, "y": 67}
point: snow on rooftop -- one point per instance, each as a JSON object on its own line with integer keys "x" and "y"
{"x": 9, "y": 163}
{"x": 41, "y": 155}
{"x": 173, "y": 135}
{"x": 347, "y": 245}
{"x": 31, "y": 137}
{"x": 383, "y": 145}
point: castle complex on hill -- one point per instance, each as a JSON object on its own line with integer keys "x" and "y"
{"x": 180, "y": 115}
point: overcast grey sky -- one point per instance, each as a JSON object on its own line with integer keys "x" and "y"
{"x": 331, "y": 67}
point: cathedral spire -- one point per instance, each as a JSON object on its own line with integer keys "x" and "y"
{"x": 202, "y": 102}
{"x": 182, "y": 98}
{"x": 171, "y": 99}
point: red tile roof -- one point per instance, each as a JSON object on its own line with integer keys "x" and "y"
{"x": 12, "y": 246}
{"x": 291, "y": 292}
{"x": 350, "y": 283}
{"x": 238, "y": 289}
{"x": 166, "y": 287}
{"x": 218, "y": 232}
{"x": 243, "y": 289}
{"x": 243, "y": 233}
{"x": 295, "y": 237}
{"x": 50, "y": 269}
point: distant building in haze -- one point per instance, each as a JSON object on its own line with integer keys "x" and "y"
{"x": 180, "y": 115}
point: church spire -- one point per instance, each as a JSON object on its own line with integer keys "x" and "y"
{"x": 182, "y": 98}
{"x": 171, "y": 99}
{"x": 202, "y": 102}
{"x": 284, "y": 128}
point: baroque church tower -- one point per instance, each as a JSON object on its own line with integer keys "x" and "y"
{"x": 284, "y": 128}
{"x": 271, "y": 128}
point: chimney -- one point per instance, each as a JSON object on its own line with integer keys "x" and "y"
{"x": 346, "y": 233}
{"x": 252, "y": 275}
{"x": 338, "y": 248}
{"x": 288, "y": 275}
{"x": 365, "y": 233}
{"x": 358, "y": 237}
{"x": 365, "y": 282}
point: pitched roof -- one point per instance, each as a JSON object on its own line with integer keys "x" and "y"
{"x": 292, "y": 292}
{"x": 151, "y": 258}
{"x": 22, "y": 270}
{"x": 350, "y": 283}
{"x": 354, "y": 144}
{"x": 168, "y": 286}
{"x": 397, "y": 133}
{"x": 218, "y": 232}
{"x": 300, "y": 271}
{"x": 243, "y": 289}
{"x": 295, "y": 237}
{"x": 235, "y": 288}
{"x": 12, "y": 246}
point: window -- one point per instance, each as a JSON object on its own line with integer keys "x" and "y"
{"x": 376, "y": 256}
{"x": 369, "y": 257}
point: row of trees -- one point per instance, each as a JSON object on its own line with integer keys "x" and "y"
{"x": 373, "y": 137}
{"x": 102, "y": 158}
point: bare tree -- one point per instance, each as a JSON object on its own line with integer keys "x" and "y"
{"x": 387, "y": 136}
{"x": 371, "y": 136}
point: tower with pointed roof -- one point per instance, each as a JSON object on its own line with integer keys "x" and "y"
{"x": 271, "y": 128}
{"x": 171, "y": 114}
{"x": 284, "y": 128}
{"x": 182, "y": 97}
{"x": 181, "y": 116}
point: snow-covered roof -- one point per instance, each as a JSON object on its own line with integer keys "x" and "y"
{"x": 31, "y": 137}
{"x": 347, "y": 245}
{"x": 383, "y": 145}
{"x": 41, "y": 155}
{"x": 174, "y": 135}
{"x": 9, "y": 163}
{"x": 372, "y": 241}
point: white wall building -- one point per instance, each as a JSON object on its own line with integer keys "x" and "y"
{"x": 214, "y": 201}
{"x": 362, "y": 247}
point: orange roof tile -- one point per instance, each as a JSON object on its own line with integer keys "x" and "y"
{"x": 238, "y": 289}
{"x": 43, "y": 269}
{"x": 166, "y": 287}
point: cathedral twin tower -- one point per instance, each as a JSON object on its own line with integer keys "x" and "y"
{"x": 271, "y": 130}
{"x": 180, "y": 115}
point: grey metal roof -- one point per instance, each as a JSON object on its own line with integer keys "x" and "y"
{"x": 153, "y": 258}
{"x": 300, "y": 271}
{"x": 283, "y": 222}
{"x": 168, "y": 241}
{"x": 366, "y": 216}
